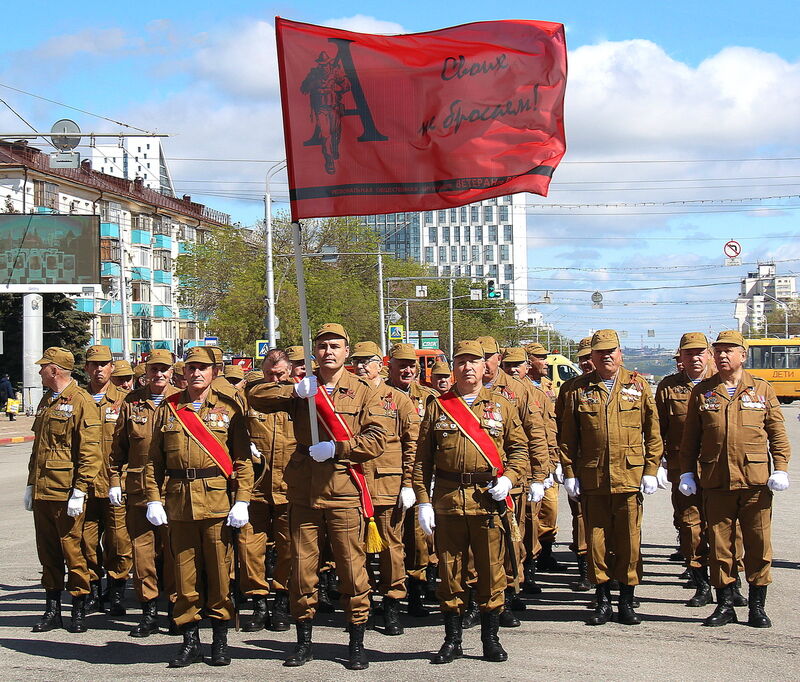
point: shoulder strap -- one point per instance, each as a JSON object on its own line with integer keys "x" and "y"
{"x": 200, "y": 434}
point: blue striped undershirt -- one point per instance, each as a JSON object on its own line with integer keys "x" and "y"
{"x": 469, "y": 399}
{"x": 610, "y": 383}
{"x": 731, "y": 390}
{"x": 98, "y": 397}
{"x": 196, "y": 405}
{"x": 329, "y": 389}
{"x": 157, "y": 398}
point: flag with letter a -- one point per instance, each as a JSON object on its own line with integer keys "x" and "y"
{"x": 383, "y": 124}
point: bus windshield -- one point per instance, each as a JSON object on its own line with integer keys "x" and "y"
{"x": 774, "y": 357}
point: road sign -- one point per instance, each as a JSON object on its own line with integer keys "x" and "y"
{"x": 430, "y": 334}
{"x": 732, "y": 249}
{"x": 211, "y": 341}
{"x": 476, "y": 294}
{"x": 396, "y": 333}
{"x": 732, "y": 262}
{"x": 651, "y": 332}
{"x": 422, "y": 291}
{"x": 597, "y": 300}
{"x": 65, "y": 160}
{"x": 262, "y": 347}
{"x": 429, "y": 343}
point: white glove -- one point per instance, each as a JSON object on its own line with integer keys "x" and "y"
{"x": 323, "y": 450}
{"x": 536, "y": 492}
{"x": 573, "y": 487}
{"x": 75, "y": 503}
{"x": 408, "y": 498}
{"x": 559, "y": 474}
{"x": 115, "y": 496}
{"x": 688, "y": 486}
{"x": 27, "y": 498}
{"x": 499, "y": 491}
{"x": 306, "y": 387}
{"x": 778, "y": 481}
{"x": 238, "y": 516}
{"x": 649, "y": 484}
{"x": 663, "y": 481}
{"x": 254, "y": 451}
{"x": 427, "y": 519}
{"x": 156, "y": 514}
{"x": 548, "y": 482}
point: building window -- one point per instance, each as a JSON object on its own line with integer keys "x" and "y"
{"x": 453, "y": 215}
{"x": 109, "y": 250}
{"x": 162, "y": 227}
{"x": 45, "y": 194}
{"x": 446, "y": 235}
{"x": 163, "y": 296}
{"x": 111, "y": 326}
{"x": 141, "y": 256}
{"x": 479, "y": 233}
{"x": 508, "y": 272}
{"x": 476, "y": 253}
{"x": 441, "y": 216}
{"x": 432, "y": 235}
{"x": 457, "y": 234}
{"x": 442, "y": 254}
{"x": 465, "y": 253}
{"x": 492, "y": 271}
{"x": 446, "y": 271}
{"x": 466, "y": 233}
{"x": 140, "y": 292}
{"x": 504, "y": 214}
{"x": 428, "y": 217}
{"x": 463, "y": 214}
{"x": 467, "y": 271}
{"x": 187, "y": 331}
{"x": 488, "y": 253}
{"x": 142, "y": 328}
{"x": 488, "y": 214}
{"x": 504, "y": 253}
{"x": 478, "y": 271}
{"x": 493, "y": 234}
{"x": 202, "y": 236}
{"x": 454, "y": 254}
{"x": 508, "y": 232}
{"x": 143, "y": 222}
{"x": 474, "y": 213}
{"x": 429, "y": 254}
{"x": 162, "y": 260}
{"x": 457, "y": 271}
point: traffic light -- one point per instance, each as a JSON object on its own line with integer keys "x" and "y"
{"x": 491, "y": 291}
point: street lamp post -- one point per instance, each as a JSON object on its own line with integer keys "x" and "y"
{"x": 785, "y": 313}
{"x": 270, "y": 272}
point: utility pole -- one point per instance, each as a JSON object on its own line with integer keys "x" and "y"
{"x": 32, "y": 325}
{"x": 269, "y": 311}
{"x": 381, "y": 307}
{"x": 450, "y": 296}
{"x": 123, "y": 302}
{"x": 408, "y": 325}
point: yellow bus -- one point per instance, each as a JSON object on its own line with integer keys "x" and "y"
{"x": 777, "y": 361}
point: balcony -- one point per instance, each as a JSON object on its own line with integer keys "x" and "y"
{"x": 85, "y": 305}
{"x": 108, "y": 269}
{"x": 162, "y": 277}
{"x": 109, "y": 230}
{"x": 164, "y": 344}
{"x": 183, "y": 247}
{"x": 140, "y": 237}
{"x": 110, "y": 307}
{"x": 141, "y": 309}
{"x": 162, "y": 311}
{"x": 162, "y": 241}
{"x": 114, "y": 344}
{"x": 185, "y": 314}
{"x": 142, "y": 274}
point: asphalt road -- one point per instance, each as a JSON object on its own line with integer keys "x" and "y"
{"x": 552, "y": 641}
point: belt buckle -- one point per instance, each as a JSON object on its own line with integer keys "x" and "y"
{"x": 465, "y": 478}
{"x": 191, "y": 474}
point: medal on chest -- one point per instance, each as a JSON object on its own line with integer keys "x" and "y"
{"x": 710, "y": 402}
{"x": 751, "y": 401}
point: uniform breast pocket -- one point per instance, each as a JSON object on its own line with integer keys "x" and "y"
{"x": 172, "y": 438}
{"x": 58, "y": 474}
{"x": 678, "y": 407}
{"x": 630, "y": 416}
{"x": 57, "y": 424}
{"x": 756, "y": 468}
{"x": 589, "y": 415}
{"x": 216, "y": 494}
{"x": 752, "y": 418}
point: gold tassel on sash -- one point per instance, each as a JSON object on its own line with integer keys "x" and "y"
{"x": 515, "y": 534}
{"x": 375, "y": 542}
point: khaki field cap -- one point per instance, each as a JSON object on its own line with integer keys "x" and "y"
{"x": 255, "y": 375}
{"x": 98, "y": 354}
{"x": 536, "y": 349}
{"x": 332, "y": 328}
{"x": 122, "y": 368}
{"x": 440, "y": 369}
{"x": 693, "y": 340}
{"x": 403, "y": 351}
{"x": 216, "y": 353}
{"x": 295, "y": 353}
{"x": 160, "y": 356}
{"x": 470, "y": 348}
{"x": 366, "y": 349}
{"x": 60, "y": 357}
{"x": 138, "y": 371}
{"x": 202, "y": 354}
{"x": 514, "y": 355}
{"x": 178, "y": 367}
{"x": 585, "y": 347}
{"x": 605, "y": 339}
{"x": 730, "y": 336}
{"x": 489, "y": 344}
{"x": 233, "y": 372}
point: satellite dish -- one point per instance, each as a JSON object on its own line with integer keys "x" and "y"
{"x": 65, "y": 135}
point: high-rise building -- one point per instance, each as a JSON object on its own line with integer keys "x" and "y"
{"x": 484, "y": 240}
{"x": 135, "y": 157}
{"x": 761, "y": 293}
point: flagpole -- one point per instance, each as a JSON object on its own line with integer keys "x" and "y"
{"x": 301, "y": 293}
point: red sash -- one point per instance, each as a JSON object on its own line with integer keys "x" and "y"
{"x": 338, "y": 430}
{"x": 469, "y": 424}
{"x": 200, "y": 433}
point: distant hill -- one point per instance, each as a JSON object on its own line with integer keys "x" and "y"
{"x": 656, "y": 361}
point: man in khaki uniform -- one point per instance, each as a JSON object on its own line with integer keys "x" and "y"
{"x": 440, "y": 377}
{"x": 65, "y": 458}
{"x": 234, "y": 375}
{"x": 195, "y": 473}
{"x": 178, "y": 379}
{"x": 390, "y": 476}
{"x": 324, "y": 498}
{"x": 734, "y": 427}
{"x": 472, "y": 480}
{"x": 578, "y": 546}
{"x": 128, "y": 463}
{"x": 122, "y": 375}
{"x": 106, "y": 542}
{"x": 139, "y": 378}
{"x": 272, "y": 444}
{"x": 298, "y": 361}
{"x": 611, "y": 446}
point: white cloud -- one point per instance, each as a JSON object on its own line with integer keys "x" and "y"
{"x": 360, "y": 23}
{"x": 95, "y": 42}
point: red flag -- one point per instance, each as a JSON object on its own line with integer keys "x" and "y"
{"x": 382, "y": 124}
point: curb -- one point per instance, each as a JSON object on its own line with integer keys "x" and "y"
{"x": 16, "y": 439}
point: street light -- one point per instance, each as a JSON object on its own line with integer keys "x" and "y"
{"x": 270, "y": 273}
{"x": 785, "y": 313}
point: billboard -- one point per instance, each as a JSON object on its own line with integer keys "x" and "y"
{"x": 45, "y": 253}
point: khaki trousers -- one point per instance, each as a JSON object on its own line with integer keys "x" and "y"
{"x": 345, "y": 530}
{"x": 613, "y": 524}
{"x": 457, "y": 537}
{"x": 578, "y": 545}
{"x": 150, "y": 545}
{"x": 58, "y": 543}
{"x": 391, "y": 567}
{"x": 203, "y": 561}
{"x": 751, "y": 510}
{"x": 269, "y": 525}
{"x": 547, "y": 526}
{"x": 531, "y": 534}
{"x": 106, "y": 542}
{"x": 520, "y": 503}
{"x": 419, "y": 548}
{"x": 688, "y": 520}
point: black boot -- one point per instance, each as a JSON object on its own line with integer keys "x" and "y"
{"x": 582, "y": 584}
{"x": 625, "y": 612}
{"x": 677, "y": 555}
{"x": 687, "y": 576}
{"x": 546, "y": 561}
{"x": 116, "y": 594}
{"x": 333, "y": 584}
{"x": 702, "y": 595}
{"x": 451, "y": 649}
{"x": 190, "y": 647}
{"x": 724, "y": 613}
{"x": 302, "y": 653}
{"x": 758, "y": 618}
{"x": 507, "y": 619}
{"x": 490, "y": 625}
{"x": 94, "y": 600}
{"x": 416, "y": 592}
{"x": 148, "y": 625}
{"x": 357, "y": 656}
{"x": 529, "y": 585}
{"x": 391, "y": 617}
{"x": 431, "y": 576}
{"x": 260, "y": 615}
{"x": 602, "y": 610}
{"x": 738, "y": 598}
{"x": 280, "y": 612}
{"x": 78, "y": 622}
{"x": 472, "y": 614}
{"x": 324, "y": 605}
{"x": 219, "y": 643}
{"x": 172, "y": 628}
{"x": 516, "y": 602}
{"x": 52, "y": 613}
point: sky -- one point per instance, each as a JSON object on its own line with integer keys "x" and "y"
{"x": 681, "y": 121}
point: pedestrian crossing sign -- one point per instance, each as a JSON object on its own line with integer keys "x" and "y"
{"x": 396, "y": 333}
{"x": 262, "y": 348}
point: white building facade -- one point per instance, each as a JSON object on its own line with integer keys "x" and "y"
{"x": 763, "y": 292}
{"x": 132, "y": 158}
